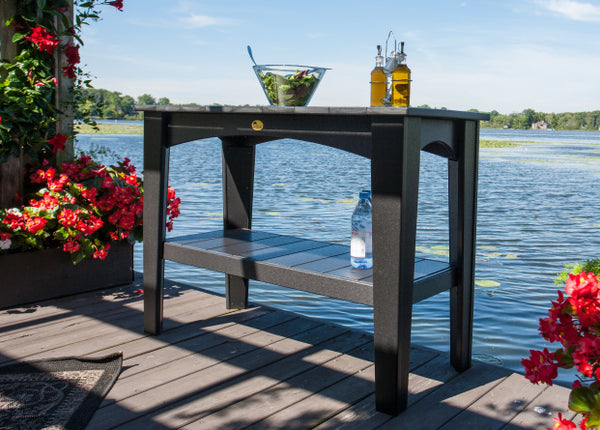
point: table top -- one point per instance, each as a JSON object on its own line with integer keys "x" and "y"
{"x": 318, "y": 110}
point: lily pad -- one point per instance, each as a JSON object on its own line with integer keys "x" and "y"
{"x": 492, "y": 254}
{"x": 310, "y": 199}
{"x": 487, "y": 283}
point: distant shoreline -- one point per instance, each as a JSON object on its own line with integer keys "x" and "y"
{"x": 110, "y": 129}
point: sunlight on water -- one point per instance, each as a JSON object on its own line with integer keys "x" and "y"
{"x": 534, "y": 215}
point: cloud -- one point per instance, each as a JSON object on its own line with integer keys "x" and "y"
{"x": 200, "y": 21}
{"x": 572, "y": 9}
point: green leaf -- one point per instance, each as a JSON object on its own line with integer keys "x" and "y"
{"x": 593, "y": 419}
{"x": 77, "y": 257}
{"x": 61, "y": 233}
{"x": 17, "y": 37}
{"x": 584, "y": 400}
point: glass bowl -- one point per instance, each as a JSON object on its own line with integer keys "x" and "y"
{"x": 288, "y": 84}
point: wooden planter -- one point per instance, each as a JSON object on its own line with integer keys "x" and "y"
{"x": 40, "y": 275}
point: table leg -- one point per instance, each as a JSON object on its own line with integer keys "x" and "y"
{"x": 395, "y": 182}
{"x": 462, "y": 184}
{"x": 238, "y": 188}
{"x": 156, "y": 174}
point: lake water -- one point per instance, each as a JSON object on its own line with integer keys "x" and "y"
{"x": 537, "y": 210}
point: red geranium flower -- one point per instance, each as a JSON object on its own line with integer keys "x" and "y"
{"x": 118, "y": 4}
{"x": 72, "y": 54}
{"x": 58, "y": 184}
{"x": 71, "y": 246}
{"x": 108, "y": 183}
{"x": 34, "y": 225}
{"x": 127, "y": 221}
{"x": 49, "y": 174}
{"x": 541, "y": 366}
{"x": 38, "y": 177}
{"x": 131, "y": 179}
{"x": 44, "y": 40}
{"x": 89, "y": 194}
{"x": 582, "y": 285}
{"x": 100, "y": 254}
{"x": 47, "y": 202}
{"x": 69, "y": 218}
{"x": 58, "y": 142}
{"x": 563, "y": 423}
{"x": 14, "y": 221}
{"x": 130, "y": 168}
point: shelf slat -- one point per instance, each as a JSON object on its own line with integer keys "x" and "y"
{"x": 307, "y": 265}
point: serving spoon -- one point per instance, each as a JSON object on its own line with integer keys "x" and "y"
{"x": 251, "y": 56}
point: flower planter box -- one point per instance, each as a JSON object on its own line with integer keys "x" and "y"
{"x": 40, "y": 275}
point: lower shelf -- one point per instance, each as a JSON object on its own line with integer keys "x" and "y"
{"x": 307, "y": 265}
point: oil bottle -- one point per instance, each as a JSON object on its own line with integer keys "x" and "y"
{"x": 378, "y": 80}
{"x": 401, "y": 81}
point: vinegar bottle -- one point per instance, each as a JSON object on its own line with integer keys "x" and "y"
{"x": 378, "y": 80}
{"x": 401, "y": 81}
{"x": 361, "y": 242}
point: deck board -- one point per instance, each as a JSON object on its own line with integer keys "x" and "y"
{"x": 260, "y": 368}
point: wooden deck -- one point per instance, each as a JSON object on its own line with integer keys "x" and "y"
{"x": 260, "y": 368}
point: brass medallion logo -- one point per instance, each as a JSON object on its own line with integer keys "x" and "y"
{"x": 257, "y": 125}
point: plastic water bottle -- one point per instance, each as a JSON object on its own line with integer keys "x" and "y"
{"x": 361, "y": 243}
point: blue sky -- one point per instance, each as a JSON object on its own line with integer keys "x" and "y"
{"x": 506, "y": 55}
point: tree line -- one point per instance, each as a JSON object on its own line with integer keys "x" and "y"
{"x": 558, "y": 121}
{"x": 107, "y": 104}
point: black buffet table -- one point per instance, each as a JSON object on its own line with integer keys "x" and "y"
{"x": 393, "y": 139}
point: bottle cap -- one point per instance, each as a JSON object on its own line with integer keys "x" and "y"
{"x": 364, "y": 194}
{"x": 379, "y": 57}
{"x": 401, "y": 56}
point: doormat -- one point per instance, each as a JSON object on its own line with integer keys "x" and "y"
{"x": 56, "y": 393}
